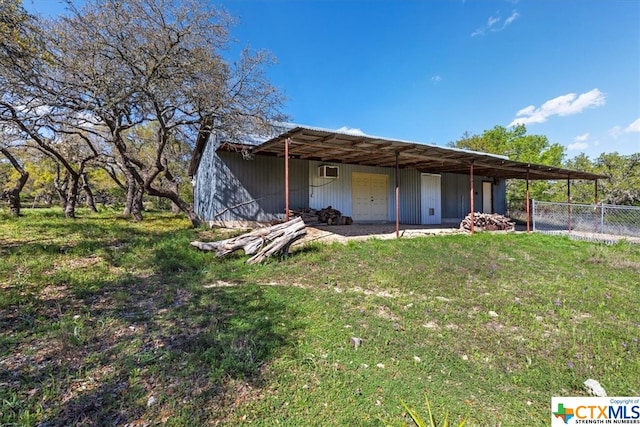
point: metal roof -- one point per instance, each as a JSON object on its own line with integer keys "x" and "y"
{"x": 354, "y": 148}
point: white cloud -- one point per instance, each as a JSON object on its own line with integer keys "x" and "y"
{"x": 436, "y": 79}
{"x": 582, "y": 138}
{"x": 493, "y": 23}
{"x": 350, "y": 131}
{"x": 578, "y": 146}
{"x": 579, "y": 142}
{"x": 514, "y": 15}
{"x": 564, "y": 105}
{"x": 633, "y": 127}
{"x": 617, "y": 131}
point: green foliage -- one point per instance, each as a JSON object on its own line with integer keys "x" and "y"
{"x": 622, "y": 187}
{"x": 420, "y": 422}
{"x": 518, "y": 146}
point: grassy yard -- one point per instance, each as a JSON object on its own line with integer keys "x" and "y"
{"x": 108, "y": 322}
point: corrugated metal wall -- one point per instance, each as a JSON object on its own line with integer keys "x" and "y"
{"x": 336, "y": 193}
{"x": 230, "y": 188}
{"x": 500, "y": 197}
{"x": 205, "y": 182}
{"x": 455, "y": 196}
{"x": 410, "y": 196}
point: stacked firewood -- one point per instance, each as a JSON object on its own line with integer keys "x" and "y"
{"x": 326, "y": 215}
{"x": 487, "y": 222}
{"x": 261, "y": 243}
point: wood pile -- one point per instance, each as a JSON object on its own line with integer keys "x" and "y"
{"x": 326, "y": 215}
{"x": 261, "y": 243}
{"x": 487, "y": 222}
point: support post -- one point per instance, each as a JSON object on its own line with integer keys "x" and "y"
{"x": 569, "y": 200}
{"x": 286, "y": 179}
{"x": 595, "y": 204}
{"x": 473, "y": 220}
{"x": 527, "y": 201}
{"x": 397, "y": 194}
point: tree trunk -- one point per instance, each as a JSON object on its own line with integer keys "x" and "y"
{"x": 91, "y": 204}
{"x": 175, "y": 198}
{"x": 72, "y": 196}
{"x": 13, "y": 195}
{"x": 61, "y": 186}
{"x": 261, "y": 243}
{"x": 175, "y": 209}
{"x": 137, "y": 203}
{"x": 131, "y": 191}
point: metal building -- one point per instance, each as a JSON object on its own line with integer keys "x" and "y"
{"x": 369, "y": 178}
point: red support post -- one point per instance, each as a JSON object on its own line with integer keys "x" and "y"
{"x": 471, "y": 199}
{"x": 528, "y": 202}
{"x": 286, "y": 179}
{"x": 397, "y": 195}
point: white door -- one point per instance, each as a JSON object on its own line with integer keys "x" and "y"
{"x": 487, "y": 197}
{"x": 430, "y": 200}
{"x": 370, "y": 196}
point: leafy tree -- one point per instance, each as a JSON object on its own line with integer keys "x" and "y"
{"x": 581, "y": 191}
{"x": 623, "y": 185}
{"x": 518, "y": 146}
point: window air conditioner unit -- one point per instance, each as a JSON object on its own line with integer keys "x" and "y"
{"x": 327, "y": 171}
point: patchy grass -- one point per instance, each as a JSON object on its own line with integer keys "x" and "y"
{"x": 108, "y": 322}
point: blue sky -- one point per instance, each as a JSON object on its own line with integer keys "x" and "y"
{"x": 428, "y": 71}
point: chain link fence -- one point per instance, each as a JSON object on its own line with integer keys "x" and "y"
{"x": 517, "y": 210}
{"x": 594, "y": 220}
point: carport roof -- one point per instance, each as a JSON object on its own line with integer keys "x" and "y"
{"x": 353, "y": 148}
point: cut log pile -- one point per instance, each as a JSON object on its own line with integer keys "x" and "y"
{"x": 261, "y": 243}
{"x": 326, "y": 215}
{"x": 487, "y": 222}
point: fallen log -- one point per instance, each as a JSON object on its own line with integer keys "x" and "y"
{"x": 261, "y": 243}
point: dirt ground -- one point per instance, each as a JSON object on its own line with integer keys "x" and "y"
{"x": 344, "y": 233}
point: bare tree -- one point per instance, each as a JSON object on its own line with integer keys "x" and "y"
{"x": 30, "y": 105}
{"x": 131, "y": 63}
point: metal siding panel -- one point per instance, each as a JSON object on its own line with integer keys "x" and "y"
{"x": 410, "y": 196}
{"x": 336, "y": 193}
{"x": 455, "y": 195}
{"x": 205, "y": 183}
{"x": 230, "y": 182}
{"x": 229, "y": 188}
{"x": 262, "y": 179}
{"x": 500, "y": 197}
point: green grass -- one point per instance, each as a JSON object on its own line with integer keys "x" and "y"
{"x": 108, "y": 322}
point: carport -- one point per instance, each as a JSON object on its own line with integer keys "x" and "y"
{"x": 325, "y": 145}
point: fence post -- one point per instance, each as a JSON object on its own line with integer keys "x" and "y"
{"x": 601, "y": 218}
{"x": 569, "y": 200}
{"x": 533, "y": 213}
